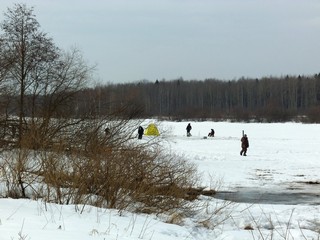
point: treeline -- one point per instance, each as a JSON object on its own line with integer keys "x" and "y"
{"x": 271, "y": 99}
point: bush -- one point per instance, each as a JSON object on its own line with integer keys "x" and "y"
{"x": 87, "y": 166}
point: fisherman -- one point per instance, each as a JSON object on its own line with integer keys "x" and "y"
{"x": 244, "y": 145}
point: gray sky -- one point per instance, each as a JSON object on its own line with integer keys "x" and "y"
{"x": 131, "y": 40}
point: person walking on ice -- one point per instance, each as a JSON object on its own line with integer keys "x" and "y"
{"x": 244, "y": 145}
{"x": 188, "y": 130}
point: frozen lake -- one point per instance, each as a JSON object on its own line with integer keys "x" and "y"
{"x": 282, "y": 166}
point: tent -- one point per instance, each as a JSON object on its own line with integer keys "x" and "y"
{"x": 152, "y": 130}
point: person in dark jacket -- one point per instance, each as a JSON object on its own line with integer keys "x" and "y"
{"x": 188, "y": 130}
{"x": 244, "y": 145}
{"x": 211, "y": 134}
{"x": 140, "y": 132}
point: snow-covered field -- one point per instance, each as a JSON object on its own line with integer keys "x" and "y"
{"x": 280, "y": 173}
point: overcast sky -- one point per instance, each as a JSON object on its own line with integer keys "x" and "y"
{"x": 131, "y": 40}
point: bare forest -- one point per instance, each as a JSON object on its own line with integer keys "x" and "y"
{"x": 270, "y": 99}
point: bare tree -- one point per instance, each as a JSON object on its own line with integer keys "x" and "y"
{"x": 45, "y": 79}
{"x": 28, "y": 51}
{"x": 39, "y": 82}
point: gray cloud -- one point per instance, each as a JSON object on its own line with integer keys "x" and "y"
{"x": 194, "y": 39}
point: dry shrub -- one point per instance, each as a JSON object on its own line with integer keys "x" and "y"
{"x": 87, "y": 166}
{"x": 135, "y": 177}
{"x": 164, "y": 183}
{"x": 18, "y": 173}
{"x": 117, "y": 171}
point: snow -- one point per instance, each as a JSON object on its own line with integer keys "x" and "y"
{"x": 282, "y": 159}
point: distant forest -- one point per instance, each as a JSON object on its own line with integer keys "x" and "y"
{"x": 270, "y": 99}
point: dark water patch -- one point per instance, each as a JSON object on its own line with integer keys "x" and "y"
{"x": 310, "y": 182}
{"x": 263, "y": 196}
